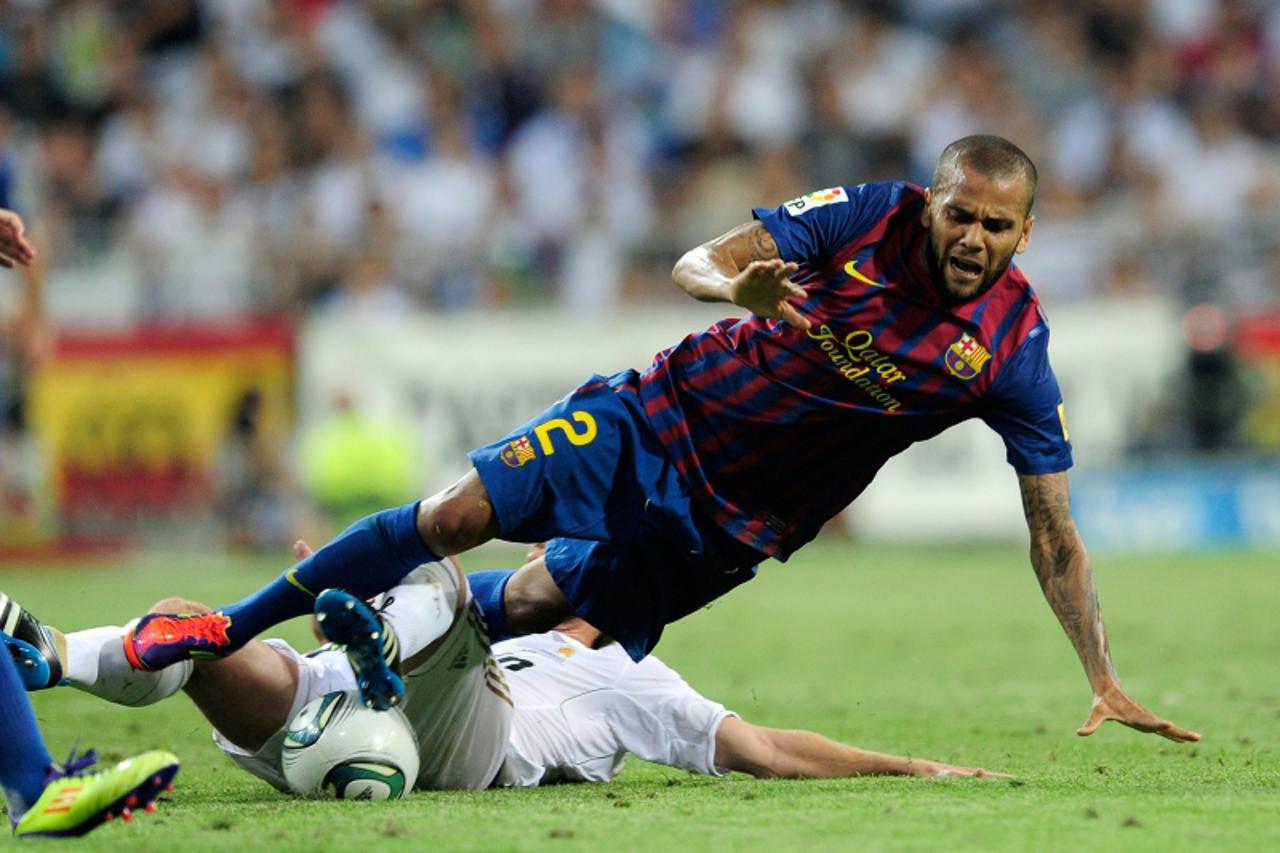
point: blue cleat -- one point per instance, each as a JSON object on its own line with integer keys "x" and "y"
{"x": 31, "y": 645}
{"x": 370, "y": 645}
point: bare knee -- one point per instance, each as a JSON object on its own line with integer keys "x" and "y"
{"x": 532, "y": 601}
{"x": 457, "y": 519}
{"x": 178, "y": 605}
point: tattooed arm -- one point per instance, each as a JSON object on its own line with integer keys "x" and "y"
{"x": 1062, "y": 567}
{"x": 743, "y": 267}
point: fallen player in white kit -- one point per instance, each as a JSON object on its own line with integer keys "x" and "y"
{"x": 534, "y": 710}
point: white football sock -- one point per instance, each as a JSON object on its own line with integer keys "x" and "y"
{"x": 419, "y": 611}
{"x": 96, "y": 664}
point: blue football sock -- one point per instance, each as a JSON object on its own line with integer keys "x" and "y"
{"x": 367, "y": 558}
{"x": 487, "y": 588}
{"x": 23, "y": 757}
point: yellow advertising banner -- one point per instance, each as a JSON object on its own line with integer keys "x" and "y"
{"x": 1256, "y": 340}
{"x": 140, "y": 419}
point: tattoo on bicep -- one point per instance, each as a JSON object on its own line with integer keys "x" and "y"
{"x": 763, "y": 246}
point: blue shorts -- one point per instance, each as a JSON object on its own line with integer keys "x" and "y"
{"x": 631, "y": 593}
{"x": 632, "y": 553}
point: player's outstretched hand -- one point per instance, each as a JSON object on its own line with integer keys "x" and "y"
{"x": 938, "y": 770}
{"x": 14, "y": 247}
{"x": 764, "y": 288}
{"x": 1116, "y": 705}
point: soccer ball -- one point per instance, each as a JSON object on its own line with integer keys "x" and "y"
{"x": 336, "y": 744}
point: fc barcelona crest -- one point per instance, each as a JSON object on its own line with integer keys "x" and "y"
{"x": 518, "y": 452}
{"x": 966, "y": 357}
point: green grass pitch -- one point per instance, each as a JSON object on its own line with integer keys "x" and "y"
{"x": 943, "y": 652}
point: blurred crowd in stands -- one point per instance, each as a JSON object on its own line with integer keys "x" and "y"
{"x": 207, "y": 159}
{"x": 211, "y": 160}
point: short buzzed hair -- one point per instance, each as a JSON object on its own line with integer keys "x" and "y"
{"x": 993, "y": 156}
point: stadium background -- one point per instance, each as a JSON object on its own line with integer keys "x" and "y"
{"x": 298, "y": 256}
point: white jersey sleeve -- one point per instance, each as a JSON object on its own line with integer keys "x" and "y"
{"x": 581, "y": 711}
{"x": 666, "y": 720}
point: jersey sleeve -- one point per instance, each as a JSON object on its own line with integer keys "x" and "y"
{"x": 660, "y": 718}
{"x": 812, "y": 227}
{"x": 1025, "y": 407}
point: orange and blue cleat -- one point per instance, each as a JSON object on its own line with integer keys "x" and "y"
{"x": 160, "y": 639}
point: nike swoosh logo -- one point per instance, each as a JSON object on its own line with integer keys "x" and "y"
{"x": 292, "y": 577}
{"x": 851, "y": 269}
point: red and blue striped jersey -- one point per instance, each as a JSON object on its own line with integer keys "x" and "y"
{"x": 775, "y": 430}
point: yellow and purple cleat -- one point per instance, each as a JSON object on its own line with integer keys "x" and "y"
{"x": 158, "y": 640}
{"x": 76, "y": 799}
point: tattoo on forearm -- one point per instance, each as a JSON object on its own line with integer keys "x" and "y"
{"x": 1063, "y": 569}
{"x": 763, "y": 247}
{"x": 1048, "y": 509}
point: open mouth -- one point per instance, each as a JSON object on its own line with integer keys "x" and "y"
{"x": 965, "y": 269}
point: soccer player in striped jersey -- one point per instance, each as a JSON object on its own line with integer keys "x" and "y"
{"x": 879, "y": 315}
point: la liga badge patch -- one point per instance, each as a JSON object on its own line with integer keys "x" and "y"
{"x": 821, "y": 198}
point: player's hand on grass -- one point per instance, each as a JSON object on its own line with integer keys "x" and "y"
{"x": 764, "y": 289}
{"x": 1115, "y": 704}
{"x": 14, "y": 247}
{"x": 939, "y": 770}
